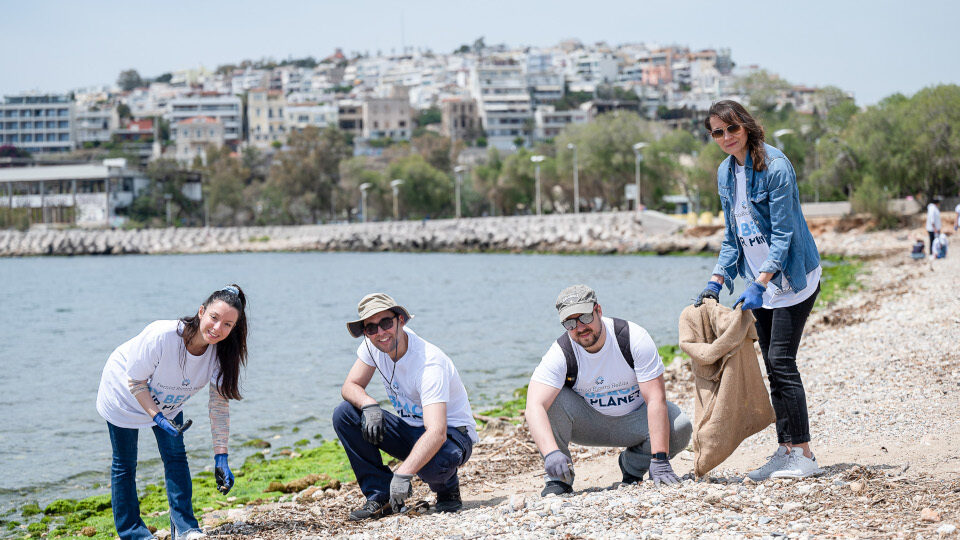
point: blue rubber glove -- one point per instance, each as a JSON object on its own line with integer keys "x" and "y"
{"x": 558, "y": 465}
{"x": 712, "y": 290}
{"x": 752, "y": 298}
{"x": 223, "y": 474}
{"x": 171, "y": 427}
{"x": 662, "y": 473}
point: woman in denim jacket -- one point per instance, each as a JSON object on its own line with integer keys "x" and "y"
{"x": 767, "y": 243}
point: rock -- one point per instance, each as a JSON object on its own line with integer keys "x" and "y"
{"x": 929, "y": 514}
{"x": 856, "y": 487}
{"x": 712, "y": 498}
{"x": 946, "y": 529}
{"x": 89, "y": 531}
{"x": 162, "y": 534}
{"x": 791, "y": 507}
{"x": 517, "y": 502}
{"x": 804, "y": 489}
{"x": 764, "y": 520}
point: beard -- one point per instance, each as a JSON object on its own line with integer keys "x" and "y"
{"x": 587, "y": 339}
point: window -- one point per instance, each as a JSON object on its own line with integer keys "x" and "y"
{"x": 64, "y": 137}
{"x": 51, "y": 137}
{"x": 26, "y": 125}
{"x": 51, "y": 124}
{"x": 63, "y": 124}
{"x": 12, "y": 138}
{"x": 63, "y": 112}
{"x": 27, "y": 137}
{"x": 211, "y": 132}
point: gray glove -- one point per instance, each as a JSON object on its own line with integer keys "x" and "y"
{"x": 558, "y": 465}
{"x": 662, "y": 473}
{"x": 371, "y": 423}
{"x": 400, "y": 489}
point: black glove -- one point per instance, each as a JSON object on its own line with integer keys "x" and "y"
{"x": 371, "y": 423}
{"x": 712, "y": 290}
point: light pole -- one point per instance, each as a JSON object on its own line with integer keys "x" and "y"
{"x": 363, "y": 199}
{"x": 395, "y": 185}
{"x": 536, "y": 160}
{"x": 576, "y": 180}
{"x": 459, "y": 170}
{"x": 638, "y": 155}
{"x": 780, "y": 133}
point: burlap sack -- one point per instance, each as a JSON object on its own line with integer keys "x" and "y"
{"x": 731, "y": 400}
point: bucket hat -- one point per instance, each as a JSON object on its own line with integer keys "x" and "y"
{"x": 372, "y": 304}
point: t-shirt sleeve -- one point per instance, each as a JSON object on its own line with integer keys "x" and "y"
{"x": 144, "y": 352}
{"x": 435, "y": 382}
{"x": 363, "y": 353}
{"x": 552, "y": 370}
{"x": 646, "y": 360}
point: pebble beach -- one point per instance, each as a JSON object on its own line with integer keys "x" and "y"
{"x": 882, "y": 374}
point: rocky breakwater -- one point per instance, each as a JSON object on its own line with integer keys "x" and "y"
{"x": 621, "y": 232}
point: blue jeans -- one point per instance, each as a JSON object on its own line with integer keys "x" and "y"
{"x": 123, "y": 478}
{"x": 373, "y": 477}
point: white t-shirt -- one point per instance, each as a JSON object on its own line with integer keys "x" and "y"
{"x": 933, "y": 217}
{"x": 604, "y": 379}
{"x": 155, "y": 356}
{"x": 756, "y": 250}
{"x": 424, "y": 375}
{"x": 957, "y": 210}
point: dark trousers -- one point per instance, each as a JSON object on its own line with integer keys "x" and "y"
{"x": 779, "y": 330}
{"x": 933, "y": 236}
{"x": 373, "y": 477}
{"x": 123, "y": 488}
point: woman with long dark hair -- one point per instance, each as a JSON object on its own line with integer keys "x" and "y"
{"x": 146, "y": 382}
{"x": 768, "y": 244}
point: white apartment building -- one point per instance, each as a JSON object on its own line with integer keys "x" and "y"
{"x": 549, "y": 122}
{"x": 38, "y": 123}
{"x": 505, "y": 108}
{"x": 96, "y": 125}
{"x": 197, "y": 135}
{"x": 228, "y": 110}
{"x": 244, "y": 80}
{"x": 596, "y": 68}
{"x": 298, "y": 116}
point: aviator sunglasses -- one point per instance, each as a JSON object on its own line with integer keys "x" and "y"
{"x": 571, "y": 324}
{"x": 732, "y": 129}
{"x": 385, "y": 323}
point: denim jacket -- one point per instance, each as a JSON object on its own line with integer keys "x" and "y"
{"x": 774, "y": 203}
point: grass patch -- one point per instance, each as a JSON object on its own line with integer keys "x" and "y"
{"x": 669, "y": 353}
{"x": 259, "y": 238}
{"x": 840, "y": 277}
{"x": 510, "y": 409}
{"x": 253, "y": 478}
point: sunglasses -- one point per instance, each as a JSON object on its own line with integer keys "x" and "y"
{"x": 732, "y": 129}
{"x": 571, "y": 324}
{"x": 385, "y": 323}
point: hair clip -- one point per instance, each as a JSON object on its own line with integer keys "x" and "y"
{"x": 231, "y": 289}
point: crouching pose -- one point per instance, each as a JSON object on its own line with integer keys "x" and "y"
{"x": 433, "y": 431}
{"x": 146, "y": 383}
{"x": 601, "y": 384}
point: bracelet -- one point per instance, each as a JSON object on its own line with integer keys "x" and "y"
{"x": 758, "y": 284}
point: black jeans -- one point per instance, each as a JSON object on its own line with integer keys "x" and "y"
{"x": 779, "y": 330}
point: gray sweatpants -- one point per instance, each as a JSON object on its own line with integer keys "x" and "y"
{"x": 574, "y": 420}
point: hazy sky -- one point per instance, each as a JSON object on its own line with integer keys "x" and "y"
{"x": 872, "y": 48}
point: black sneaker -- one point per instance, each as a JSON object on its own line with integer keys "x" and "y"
{"x": 449, "y": 501}
{"x": 556, "y": 487}
{"x": 627, "y": 477}
{"x": 371, "y": 510}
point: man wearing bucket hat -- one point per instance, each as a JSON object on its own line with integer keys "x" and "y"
{"x": 433, "y": 430}
{"x": 601, "y": 384}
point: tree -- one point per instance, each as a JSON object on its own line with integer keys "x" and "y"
{"x": 129, "y": 79}
{"x": 426, "y": 192}
{"x": 224, "y": 188}
{"x": 123, "y": 111}
{"x": 307, "y": 174}
{"x": 437, "y": 150}
{"x": 428, "y": 116}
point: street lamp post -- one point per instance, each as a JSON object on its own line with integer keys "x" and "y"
{"x": 395, "y": 185}
{"x": 780, "y": 133}
{"x": 576, "y": 180}
{"x": 459, "y": 170}
{"x": 638, "y": 155}
{"x": 363, "y": 199}
{"x": 536, "y": 160}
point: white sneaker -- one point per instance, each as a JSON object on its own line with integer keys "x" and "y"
{"x": 192, "y": 534}
{"x": 776, "y": 462}
{"x": 798, "y": 466}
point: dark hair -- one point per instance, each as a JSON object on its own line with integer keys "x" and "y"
{"x": 732, "y": 112}
{"x": 232, "y": 351}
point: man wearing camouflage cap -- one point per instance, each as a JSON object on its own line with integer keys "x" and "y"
{"x": 601, "y": 384}
{"x": 433, "y": 430}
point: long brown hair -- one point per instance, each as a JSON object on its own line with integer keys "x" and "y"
{"x": 232, "y": 351}
{"x": 732, "y": 112}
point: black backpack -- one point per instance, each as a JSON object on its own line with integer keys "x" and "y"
{"x": 622, "y": 332}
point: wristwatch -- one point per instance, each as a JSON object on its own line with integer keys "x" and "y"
{"x": 660, "y": 456}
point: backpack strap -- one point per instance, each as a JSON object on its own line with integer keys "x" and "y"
{"x": 572, "y": 368}
{"x": 622, "y": 331}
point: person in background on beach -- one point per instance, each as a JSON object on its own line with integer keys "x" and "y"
{"x": 767, "y": 243}
{"x": 956, "y": 210}
{"x": 146, "y": 383}
{"x": 940, "y": 246}
{"x": 933, "y": 220}
{"x": 601, "y": 384}
{"x": 916, "y": 252}
{"x": 433, "y": 431}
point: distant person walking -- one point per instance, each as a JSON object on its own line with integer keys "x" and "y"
{"x": 767, "y": 242}
{"x": 933, "y": 220}
{"x": 956, "y": 210}
{"x": 145, "y": 384}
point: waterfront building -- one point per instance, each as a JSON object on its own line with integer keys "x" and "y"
{"x": 350, "y": 116}
{"x": 298, "y": 116}
{"x": 96, "y": 125}
{"x": 38, "y": 123}
{"x": 504, "y": 103}
{"x": 197, "y": 135}
{"x": 460, "y": 120}
{"x": 549, "y": 122}
{"x": 389, "y": 117}
{"x": 265, "y": 116}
